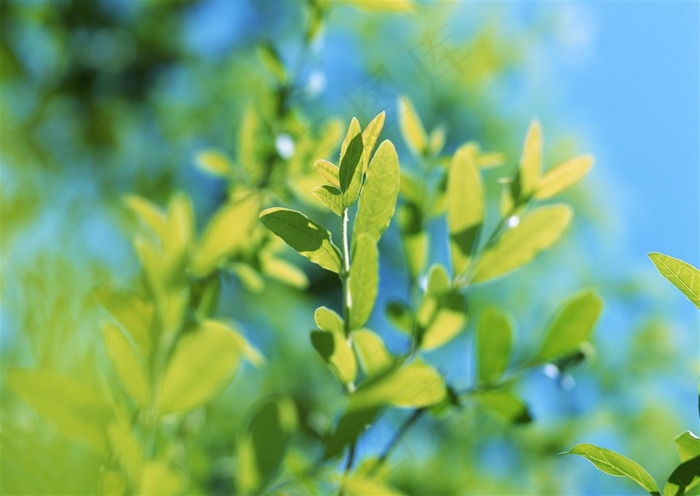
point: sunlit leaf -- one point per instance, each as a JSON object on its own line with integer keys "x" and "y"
{"x": 214, "y": 162}
{"x": 536, "y": 232}
{"x": 227, "y": 233}
{"x": 382, "y": 5}
{"x": 437, "y": 140}
{"x": 685, "y": 477}
{"x": 356, "y": 485}
{"x": 400, "y": 315}
{"x": 328, "y": 171}
{"x": 350, "y": 170}
{"x": 305, "y": 236}
{"x": 563, "y": 176}
{"x": 687, "y": 445}
{"x": 159, "y": 479}
{"x": 331, "y": 197}
{"x": 414, "y": 238}
{"x": 150, "y": 215}
{"x": 179, "y": 230}
{"x": 126, "y": 448}
{"x": 530, "y": 163}
{"x": 284, "y": 271}
{"x": 371, "y": 352}
{"x": 249, "y": 277}
{"x": 333, "y": 346}
{"x": 379, "y": 193}
{"x": 364, "y": 280}
{"x": 494, "y": 333}
{"x": 681, "y": 274}
{"x": 412, "y": 386}
{"x": 200, "y": 366}
{"x": 263, "y": 444}
{"x": 465, "y": 207}
{"x": 128, "y": 363}
{"x": 411, "y": 127}
{"x": 133, "y": 312}
{"x": 76, "y": 409}
{"x": 441, "y": 314}
{"x": 370, "y": 135}
{"x": 613, "y": 463}
{"x": 505, "y": 404}
{"x": 571, "y": 328}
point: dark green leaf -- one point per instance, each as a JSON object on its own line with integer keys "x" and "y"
{"x": 400, "y": 315}
{"x": 530, "y": 163}
{"x": 350, "y": 170}
{"x": 506, "y": 404}
{"x": 683, "y": 478}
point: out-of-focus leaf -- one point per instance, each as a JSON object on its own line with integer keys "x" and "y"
{"x": 415, "y": 239}
{"x": 571, "y": 328}
{"x": 76, "y": 409}
{"x": 441, "y": 314}
{"x": 411, "y": 188}
{"x": 350, "y": 170}
{"x": 494, "y": 333}
{"x": 126, "y": 448}
{"x": 400, "y": 315}
{"x": 411, "y": 127}
{"x": 248, "y": 144}
{"x": 364, "y": 280}
{"x": 328, "y": 171}
{"x": 128, "y": 363}
{"x": 263, "y": 444}
{"x": 412, "y": 386}
{"x": 215, "y": 163}
{"x": 228, "y": 232}
{"x": 370, "y": 135}
{"x": 179, "y": 232}
{"x": 382, "y": 5}
{"x": 613, "y": 463}
{"x": 681, "y": 274}
{"x": 563, "y": 176}
{"x": 249, "y": 277}
{"x": 133, "y": 312}
{"x": 350, "y": 426}
{"x": 465, "y": 207}
{"x": 331, "y": 197}
{"x": 530, "y": 163}
{"x": 357, "y": 485}
{"x": 304, "y": 235}
{"x": 687, "y": 445}
{"x": 149, "y": 214}
{"x": 371, "y": 352}
{"x": 379, "y": 194}
{"x": 505, "y": 404}
{"x": 203, "y": 362}
{"x": 536, "y": 232}
{"x": 333, "y": 346}
{"x": 159, "y": 479}
{"x": 686, "y": 476}
{"x": 437, "y": 140}
{"x": 272, "y": 61}
{"x": 284, "y": 271}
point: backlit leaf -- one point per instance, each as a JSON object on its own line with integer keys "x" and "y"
{"x": 571, "y": 328}
{"x": 506, "y": 405}
{"x": 371, "y": 352}
{"x": 370, "y": 135}
{"x": 305, "y": 236}
{"x": 350, "y": 170}
{"x": 263, "y": 444}
{"x": 214, "y": 162}
{"x": 530, "y": 163}
{"x": 494, "y": 333}
{"x": 328, "y": 171}
{"x": 411, "y": 127}
{"x": 331, "y": 197}
{"x": 200, "y": 366}
{"x": 128, "y": 363}
{"x": 126, "y": 448}
{"x": 284, "y": 271}
{"x": 382, "y": 5}
{"x": 150, "y": 215}
{"x": 412, "y": 386}
{"x": 133, "y": 312}
{"x": 687, "y": 445}
{"x": 465, "y": 207}
{"x": 357, "y": 485}
{"x": 159, "y": 479}
{"x": 563, "y": 176}
{"x": 536, "y": 232}
{"x": 330, "y": 342}
{"x": 441, "y": 313}
{"x": 379, "y": 193}
{"x": 613, "y": 463}
{"x": 364, "y": 280}
{"x": 681, "y": 274}
{"x": 685, "y": 477}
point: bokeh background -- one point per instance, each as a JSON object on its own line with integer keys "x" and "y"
{"x": 101, "y": 98}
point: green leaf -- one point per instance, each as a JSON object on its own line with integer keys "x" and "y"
{"x": 126, "y": 448}
{"x": 304, "y": 235}
{"x": 571, "y": 328}
{"x": 357, "y": 485}
{"x": 370, "y": 135}
{"x": 76, "y": 409}
{"x": 494, "y": 334}
{"x": 613, "y": 463}
{"x": 505, "y": 404}
{"x": 215, "y": 163}
{"x": 331, "y": 197}
{"x": 530, "y": 163}
{"x": 351, "y": 425}
{"x": 283, "y": 271}
{"x": 536, "y": 232}
{"x": 441, "y": 314}
{"x": 685, "y": 477}
{"x": 437, "y": 140}
{"x": 200, "y": 366}
{"x": 465, "y": 207}
{"x": 272, "y": 61}
{"x": 128, "y": 363}
{"x": 350, "y": 170}
{"x": 371, "y": 352}
{"x": 363, "y": 280}
{"x": 415, "y": 239}
{"x": 150, "y": 215}
{"x": 563, "y": 176}
{"x": 400, "y": 315}
{"x": 379, "y": 193}
{"x": 412, "y": 386}
{"x": 228, "y": 233}
{"x": 411, "y": 127}
{"x": 328, "y": 171}
{"x": 179, "y": 230}
{"x": 681, "y": 274}
{"x": 687, "y": 445}
{"x": 159, "y": 479}
{"x": 133, "y": 312}
{"x": 249, "y": 144}
{"x": 330, "y": 342}
{"x": 263, "y": 444}
{"x": 381, "y": 5}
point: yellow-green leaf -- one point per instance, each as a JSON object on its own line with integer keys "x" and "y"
{"x": 382, "y": 5}
{"x": 379, "y": 193}
{"x": 414, "y": 385}
{"x": 305, "y": 236}
{"x": 536, "y": 232}
{"x": 159, "y": 479}
{"x": 214, "y": 162}
{"x": 572, "y": 326}
{"x": 411, "y": 127}
{"x": 687, "y": 445}
{"x": 563, "y": 176}
{"x": 613, "y": 463}
{"x": 371, "y": 352}
{"x": 683, "y": 478}
{"x": 331, "y": 197}
{"x": 369, "y": 137}
{"x": 505, "y": 404}
{"x": 272, "y": 61}
{"x": 179, "y": 231}
{"x": 350, "y": 169}
{"x": 530, "y": 163}
{"x": 150, "y": 215}
{"x": 126, "y": 448}
{"x": 494, "y": 333}
{"x": 200, "y": 366}
{"x": 441, "y": 313}
{"x": 681, "y": 274}
{"x": 357, "y": 485}
{"x": 283, "y": 271}
{"x": 364, "y": 280}
{"x": 133, "y": 312}
{"x": 328, "y": 171}
{"x": 128, "y": 363}
{"x": 330, "y": 342}
{"x": 465, "y": 207}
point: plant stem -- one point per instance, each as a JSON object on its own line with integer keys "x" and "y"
{"x": 403, "y": 429}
